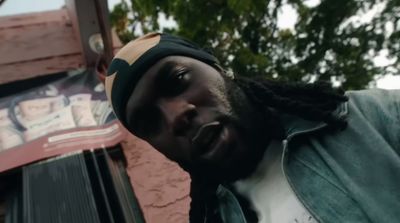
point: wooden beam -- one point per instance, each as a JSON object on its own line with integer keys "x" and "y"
{"x": 34, "y": 41}
{"x": 38, "y": 44}
{"x": 35, "y": 18}
{"x": 44, "y": 66}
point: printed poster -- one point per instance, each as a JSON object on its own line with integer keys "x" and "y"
{"x": 71, "y": 114}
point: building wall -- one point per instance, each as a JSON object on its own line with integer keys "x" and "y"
{"x": 161, "y": 186}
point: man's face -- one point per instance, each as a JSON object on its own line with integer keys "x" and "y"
{"x": 193, "y": 115}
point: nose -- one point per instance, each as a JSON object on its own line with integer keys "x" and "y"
{"x": 178, "y": 113}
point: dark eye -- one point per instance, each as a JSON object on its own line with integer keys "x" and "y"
{"x": 181, "y": 75}
{"x": 176, "y": 82}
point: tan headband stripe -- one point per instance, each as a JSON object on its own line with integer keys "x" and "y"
{"x": 135, "y": 49}
{"x": 109, "y": 83}
{"x": 131, "y": 52}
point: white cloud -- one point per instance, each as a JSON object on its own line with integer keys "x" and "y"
{"x": 166, "y": 22}
{"x": 26, "y": 6}
{"x": 389, "y": 82}
{"x": 311, "y": 3}
{"x": 287, "y": 17}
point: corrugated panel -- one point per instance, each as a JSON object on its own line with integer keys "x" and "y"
{"x": 99, "y": 190}
{"x": 122, "y": 189}
{"x": 58, "y": 191}
{"x": 115, "y": 187}
{"x": 77, "y": 188}
{"x": 14, "y": 207}
{"x": 129, "y": 197}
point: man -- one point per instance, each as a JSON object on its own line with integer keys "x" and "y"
{"x": 259, "y": 150}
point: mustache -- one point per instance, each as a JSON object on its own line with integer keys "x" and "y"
{"x": 197, "y": 166}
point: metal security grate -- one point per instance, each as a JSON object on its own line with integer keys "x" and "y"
{"x": 59, "y": 191}
{"x": 88, "y": 187}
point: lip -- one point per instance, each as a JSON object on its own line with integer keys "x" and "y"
{"x": 211, "y": 141}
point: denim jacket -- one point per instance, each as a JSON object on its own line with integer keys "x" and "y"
{"x": 350, "y": 175}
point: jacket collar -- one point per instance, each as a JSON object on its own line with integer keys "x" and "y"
{"x": 295, "y": 125}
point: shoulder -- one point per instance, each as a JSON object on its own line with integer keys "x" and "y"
{"x": 380, "y": 95}
{"x": 379, "y": 108}
{"x": 376, "y": 102}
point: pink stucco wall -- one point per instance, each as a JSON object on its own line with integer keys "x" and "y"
{"x": 161, "y": 186}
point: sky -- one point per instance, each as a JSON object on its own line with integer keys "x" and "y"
{"x": 11, "y": 7}
{"x": 286, "y": 19}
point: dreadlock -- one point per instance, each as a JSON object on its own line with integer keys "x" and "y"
{"x": 314, "y": 101}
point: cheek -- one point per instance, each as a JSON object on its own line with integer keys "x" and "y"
{"x": 210, "y": 94}
{"x": 219, "y": 99}
{"x": 222, "y": 101}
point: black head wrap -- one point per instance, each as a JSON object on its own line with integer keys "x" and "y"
{"x": 135, "y": 58}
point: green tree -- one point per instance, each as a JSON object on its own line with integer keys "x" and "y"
{"x": 326, "y": 44}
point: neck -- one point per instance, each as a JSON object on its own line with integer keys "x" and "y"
{"x": 259, "y": 128}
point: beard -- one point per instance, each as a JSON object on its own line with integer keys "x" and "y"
{"x": 254, "y": 128}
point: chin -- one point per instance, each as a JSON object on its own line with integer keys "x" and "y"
{"x": 239, "y": 163}
{"x": 234, "y": 153}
